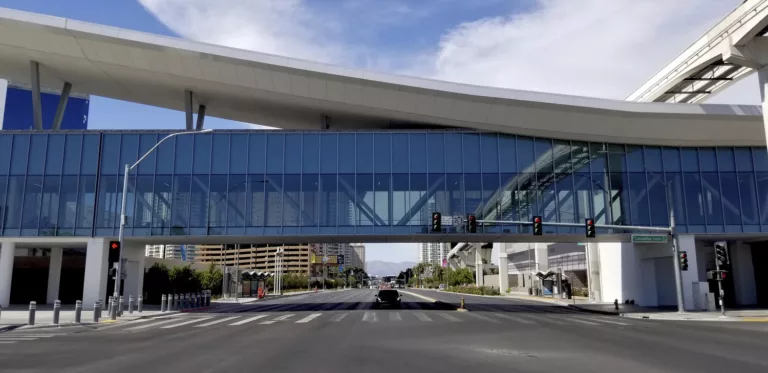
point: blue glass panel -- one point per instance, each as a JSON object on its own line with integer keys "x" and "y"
{"x": 601, "y": 198}
{"x": 438, "y": 199}
{"x": 364, "y": 194}
{"x": 617, "y": 158}
{"x": 639, "y": 201}
{"x": 106, "y": 214}
{"x": 238, "y": 153}
{"x": 202, "y": 155}
{"x": 561, "y": 152}
{"x": 657, "y": 195}
{"x": 418, "y": 151}
{"x": 418, "y": 204}
{"x": 72, "y": 149}
{"x": 257, "y": 148}
{"x": 543, "y": 154}
{"x": 454, "y": 188}
{"x": 184, "y": 151}
{"x": 217, "y": 209}
{"x": 32, "y": 195}
{"x": 220, "y": 154}
{"x": 489, "y": 150}
{"x": 311, "y": 153}
{"x": 37, "y": 148}
{"x": 55, "y": 155}
{"x": 162, "y": 205}
{"x": 507, "y": 153}
{"x": 309, "y": 200}
{"x": 347, "y": 210}
{"x": 635, "y": 160}
{"x": 473, "y": 194}
{"x": 86, "y": 204}
{"x": 129, "y": 150}
{"x": 598, "y": 153}
{"x": 273, "y": 201}
{"x": 49, "y": 202}
{"x": 743, "y": 159}
{"x": 471, "y": 153}
{"x": 671, "y": 158}
{"x": 5, "y": 153}
{"x": 566, "y": 207}
{"x": 730, "y": 199}
{"x": 347, "y": 155}
{"x": 760, "y": 157}
{"x": 725, "y": 160}
{"x": 653, "y": 159}
{"x": 675, "y": 183}
{"x": 382, "y": 156}
{"x": 166, "y": 155}
{"x": 198, "y": 201}
{"x": 490, "y": 187}
{"x": 329, "y": 153}
{"x": 582, "y": 186}
{"x": 707, "y": 160}
{"x": 749, "y": 201}
{"x": 143, "y": 187}
{"x": 3, "y": 205}
{"x": 146, "y": 142}
{"x": 20, "y": 155}
{"x": 291, "y": 200}
{"x": 180, "y": 204}
{"x": 255, "y": 200}
{"x": 382, "y": 199}
{"x": 525, "y": 158}
{"x": 328, "y": 194}
{"x": 762, "y": 195}
{"x": 689, "y": 159}
{"x": 436, "y": 152}
{"x": 580, "y": 157}
{"x": 13, "y": 202}
{"x": 293, "y": 156}
{"x": 547, "y": 202}
{"x": 712, "y": 203}
{"x": 90, "y": 154}
{"x": 68, "y": 203}
{"x": 364, "y": 152}
{"x": 400, "y": 154}
{"x": 400, "y": 198}
{"x": 110, "y": 155}
{"x": 452, "y": 152}
{"x": 694, "y": 202}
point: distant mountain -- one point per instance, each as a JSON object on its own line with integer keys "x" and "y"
{"x": 382, "y": 268}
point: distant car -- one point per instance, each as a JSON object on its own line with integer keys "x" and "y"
{"x": 388, "y": 297}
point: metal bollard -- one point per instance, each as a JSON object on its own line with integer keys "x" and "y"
{"x": 178, "y": 302}
{"x": 141, "y": 304}
{"x": 110, "y": 305}
{"x": 96, "y": 311}
{"x": 78, "y": 311}
{"x": 56, "y": 311}
{"x": 208, "y": 298}
{"x": 32, "y": 309}
{"x": 101, "y": 306}
{"x": 185, "y": 304}
{"x": 163, "y": 300}
{"x": 171, "y": 302}
{"x": 130, "y": 304}
{"x": 197, "y": 300}
{"x": 120, "y": 306}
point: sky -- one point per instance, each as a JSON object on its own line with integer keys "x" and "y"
{"x": 598, "y": 48}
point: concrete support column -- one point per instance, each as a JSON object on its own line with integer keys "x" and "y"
{"x": 134, "y": 270}
{"x": 762, "y": 76}
{"x": 96, "y": 261}
{"x": 541, "y": 257}
{"x": 594, "y": 282}
{"x": 54, "y": 275}
{"x": 687, "y": 243}
{"x": 200, "y": 117}
{"x": 743, "y": 274}
{"x": 478, "y": 264}
{"x": 62, "y": 106}
{"x": 503, "y": 269}
{"x": 37, "y": 106}
{"x": 188, "y": 96}
{"x": 7, "y": 251}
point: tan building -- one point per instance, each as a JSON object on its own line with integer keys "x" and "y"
{"x": 261, "y": 258}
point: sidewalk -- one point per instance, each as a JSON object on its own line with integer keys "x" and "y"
{"x": 16, "y": 317}
{"x": 247, "y": 300}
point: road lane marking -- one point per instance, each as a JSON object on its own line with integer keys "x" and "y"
{"x": 433, "y": 300}
{"x": 481, "y": 317}
{"x": 340, "y": 317}
{"x": 31, "y": 335}
{"x": 284, "y": 317}
{"x": 600, "y": 319}
{"x": 267, "y": 322}
{"x": 449, "y": 317}
{"x": 144, "y": 326}
{"x": 421, "y": 316}
{"x": 185, "y": 323}
{"x": 308, "y": 318}
{"x": 583, "y": 321}
{"x": 7, "y": 342}
{"x": 369, "y": 317}
{"x": 395, "y": 316}
{"x": 217, "y": 321}
{"x": 513, "y": 318}
{"x": 17, "y": 339}
{"x": 241, "y": 322}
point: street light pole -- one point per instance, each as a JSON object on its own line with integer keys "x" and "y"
{"x": 675, "y": 252}
{"x": 121, "y": 236}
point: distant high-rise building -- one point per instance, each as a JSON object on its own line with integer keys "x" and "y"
{"x": 178, "y": 252}
{"x": 359, "y": 250}
{"x": 433, "y": 252}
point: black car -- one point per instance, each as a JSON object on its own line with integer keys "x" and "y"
{"x": 388, "y": 297}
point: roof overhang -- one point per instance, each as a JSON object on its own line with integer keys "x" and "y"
{"x": 293, "y": 94}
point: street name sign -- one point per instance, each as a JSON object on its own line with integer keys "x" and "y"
{"x": 650, "y": 238}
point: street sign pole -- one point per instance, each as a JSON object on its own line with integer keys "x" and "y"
{"x": 675, "y": 253}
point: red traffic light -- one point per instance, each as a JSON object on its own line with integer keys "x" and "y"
{"x": 590, "y": 222}
{"x": 722, "y": 275}
{"x": 471, "y": 217}
{"x": 684, "y": 255}
{"x": 114, "y": 245}
{"x": 537, "y": 219}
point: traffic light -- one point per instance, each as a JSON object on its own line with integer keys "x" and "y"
{"x": 723, "y": 275}
{"x": 114, "y": 245}
{"x": 471, "y": 223}
{"x": 683, "y": 261}
{"x": 437, "y": 221}
{"x": 720, "y": 255}
{"x": 537, "y": 231}
{"x": 589, "y": 226}
{"x": 113, "y": 272}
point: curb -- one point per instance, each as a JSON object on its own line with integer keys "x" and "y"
{"x": 70, "y": 324}
{"x": 706, "y": 319}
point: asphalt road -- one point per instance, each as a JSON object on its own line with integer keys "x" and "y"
{"x": 340, "y": 331}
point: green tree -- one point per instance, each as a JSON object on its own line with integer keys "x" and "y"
{"x": 211, "y": 278}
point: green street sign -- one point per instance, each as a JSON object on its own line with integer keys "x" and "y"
{"x": 650, "y": 238}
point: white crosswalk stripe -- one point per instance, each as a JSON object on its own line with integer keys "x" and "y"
{"x": 267, "y": 322}
{"x": 449, "y": 317}
{"x": 146, "y": 326}
{"x": 514, "y": 318}
{"x": 217, "y": 321}
{"x": 185, "y": 323}
{"x": 421, "y": 316}
{"x": 369, "y": 317}
{"x": 582, "y": 321}
{"x": 602, "y": 319}
{"x": 395, "y": 316}
{"x": 242, "y": 322}
{"x": 309, "y": 318}
{"x": 284, "y": 317}
{"x": 481, "y": 317}
{"x": 340, "y": 317}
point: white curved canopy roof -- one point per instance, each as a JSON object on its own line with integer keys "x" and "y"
{"x": 288, "y": 93}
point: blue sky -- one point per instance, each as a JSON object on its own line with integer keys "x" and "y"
{"x": 599, "y": 48}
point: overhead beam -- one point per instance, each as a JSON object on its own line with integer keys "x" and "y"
{"x": 200, "y": 117}
{"x": 188, "y": 108}
{"x": 62, "y": 106}
{"x": 689, "y": 92}
{"x": 708, "y": 79}
{"x": 37, "y": 107}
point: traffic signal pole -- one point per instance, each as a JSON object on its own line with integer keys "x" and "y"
{"x": 675, "y": 254}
